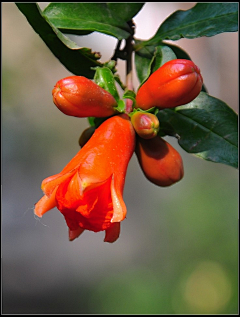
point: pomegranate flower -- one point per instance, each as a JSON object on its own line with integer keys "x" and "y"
{"x": 89, "y": 190}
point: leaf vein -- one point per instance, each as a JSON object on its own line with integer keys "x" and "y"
{"x": 209, "y": 130}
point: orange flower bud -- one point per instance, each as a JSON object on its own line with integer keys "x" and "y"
{"x": 160, "y": 162}
{"x": 145, "y": 124}
{"x": 89, "y": 190}
{"x": 78, "y": 96}
{"x": 175, "y": 83}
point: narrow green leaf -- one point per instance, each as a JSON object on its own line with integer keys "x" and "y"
{"x": 105, "y": 79}
{"x": 121, "y": 106}
{"x": 204, "y": 19}
{"x": 206, "y": 127}
{"x": 77, "y": 60}
{"x": 73, "y": 18}
{"x": 124, "y": 10}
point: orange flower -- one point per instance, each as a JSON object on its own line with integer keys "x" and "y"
{"x": 89, "y": 190}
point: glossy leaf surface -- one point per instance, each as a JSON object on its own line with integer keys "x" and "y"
{"x": 76, "y": 17}
{"x": 206, "y": 127}
{"x": 124, "y": 10}
{"x": 204, "y": 19}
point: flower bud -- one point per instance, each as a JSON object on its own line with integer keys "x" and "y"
{"x": 175, "y": 83}
{"x": 78, "y": 96}
{"x": 160, "y": 162}
{"x": 86, "y": 135}
{"x": 145, "y": 124}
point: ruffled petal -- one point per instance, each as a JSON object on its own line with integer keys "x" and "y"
{"x": 92, "y": 211}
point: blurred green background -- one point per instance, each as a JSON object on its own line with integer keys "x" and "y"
{"x": 178, "y": 248}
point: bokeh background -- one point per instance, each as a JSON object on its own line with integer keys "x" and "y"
{"x": 178, "y": 248}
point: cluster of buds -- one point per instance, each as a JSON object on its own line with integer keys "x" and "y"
{"x": 89, "y": 190}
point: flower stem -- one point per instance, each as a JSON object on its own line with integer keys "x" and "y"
{"x": 117, "y": 52}
{"x": 129, "y": 72}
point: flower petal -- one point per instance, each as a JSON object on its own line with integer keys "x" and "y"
{"x": 119, "y": 207}
{"x": 92, "y": 211}
{"x": 96, "y": 207}
{"x": 68, "y": 195}
{"x": 50, "y": 183}
{"x": 73, "y": 234}
{"x": 45, "y": 203}
{"x": 112, "y": 233}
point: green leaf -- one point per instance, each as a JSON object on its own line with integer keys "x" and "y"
{"x": 73, "y": 18}
{"x": 125, "y": 11}
{"x": 77, "y": 60}
{"x": 143, "y": 58}
{"x": 121, "y": 106}
{"x": 206, "y": 127}
{"x": 105, "y": 79}
{"x": 204, "y": 19}
{"x": 178, "y": 51}
{"x": 149, "y": 58}
{"x": 162, "y": 54}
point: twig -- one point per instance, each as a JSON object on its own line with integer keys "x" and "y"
{"x": 129, "y": 74}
